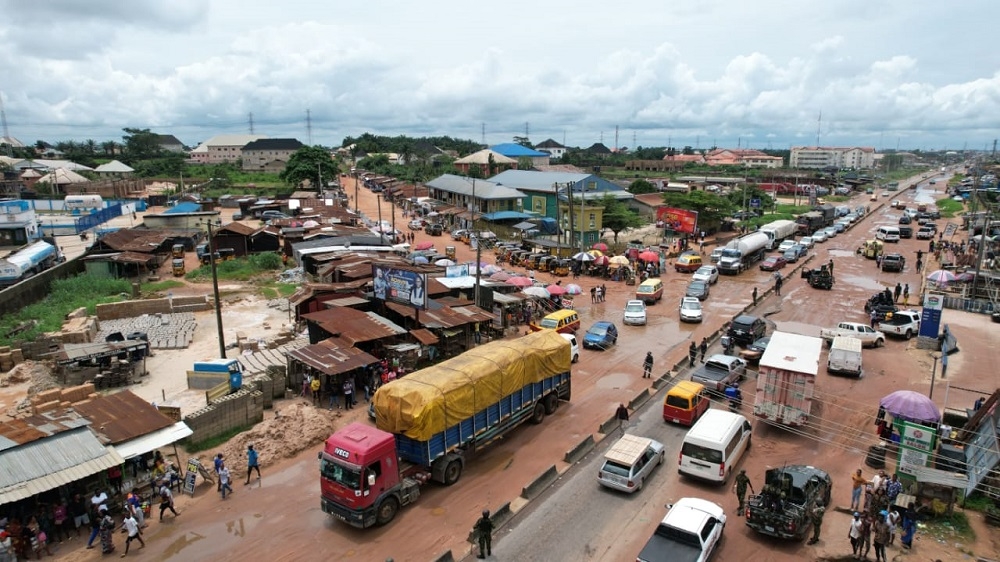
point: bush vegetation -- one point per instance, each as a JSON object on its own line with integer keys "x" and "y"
{"x": 66, "y": 296}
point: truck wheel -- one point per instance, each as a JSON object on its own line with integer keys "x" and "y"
{"x": 879, "y": 343}
{"x": 909, "y": 334}
{"x": 386, "y": 511}
{"x": 538, "y": 414}
{"x": 551, "y": 404}
{"x": 452, "y": 472}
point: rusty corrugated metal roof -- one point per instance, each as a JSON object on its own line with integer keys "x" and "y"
{"x": 444, "y": 317}
{"x": 424, "y": 336}
{"x": 122, "y": 257}
{"x": 307, "y": 291}
{"x": 25, "y": 430}
{"x": 353, "y": 326}
{"x": 238, "y": 228}
{"x": 330, "y": 358}
{"x": 122, "y": 416}
{"x": 142, "y": 240}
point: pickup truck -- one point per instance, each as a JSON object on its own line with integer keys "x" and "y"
{"x": 720, "y": 371}
{"x": 690, "y": 532}
{"x": 893, "y": 262}
{"x": 867, "y": 335}
{"x": 789, "y": 493}
{"x": 902, "y": 323}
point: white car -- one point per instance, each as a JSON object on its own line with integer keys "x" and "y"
{"x": 629, "y": 462}
{"x": 416, "y": 224}
{"x": 690, "y": 310}
{"x": 706, "y": 273}
{"x": 786, "y": 245}
{"x": 830, "y": 231}
{"x": 635, "y": 313}
{"x": 819, "y": 236}
{"x": 807, "y": 241}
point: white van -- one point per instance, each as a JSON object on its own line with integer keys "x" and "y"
{"x": 887, "y": 234}
{"x": 845, "y": 356}
{"x": 714, "y": 445}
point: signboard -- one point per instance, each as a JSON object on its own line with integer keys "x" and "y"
{"x": 982, "y": 453}
{"x": 930, "y": 318}
{"x": 457, "y": 270}
{"x": 950, "y": 229}
{"x": 403, "y": 286}
{"x": 192, "y": 472}
{"x": 678, "y": 220}
{"x": 915, "y": 445}
{"x": 755, "y": 202}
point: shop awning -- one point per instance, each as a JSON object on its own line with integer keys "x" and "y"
{"x": 424, "y": 336}
{"x": 152, "y": 441}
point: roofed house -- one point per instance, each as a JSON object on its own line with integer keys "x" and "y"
{"x": 486, "y": 161}
{"x": 554, "y": 149}
{"x": 748, "y": 158}
{"x": 222, "y": 148}
{"x": 517, "y": 151}
{"x": 114, "y": 168}
{"x": 268, "y": 155}
{"x": 470, "y": 194}
{"x": 170, "y": 143}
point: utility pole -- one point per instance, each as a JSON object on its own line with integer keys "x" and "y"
{"x": 215, "y": 291}
{"x": 479, "y": 244}
{"x": 309, "y": 127}
{"x": 251, "y": 122}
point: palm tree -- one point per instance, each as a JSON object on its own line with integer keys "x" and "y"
{"x": 108, "y": 147}
{"x": 91, "y": 146}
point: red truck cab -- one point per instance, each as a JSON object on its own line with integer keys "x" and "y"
{"x": 360, "y": 479}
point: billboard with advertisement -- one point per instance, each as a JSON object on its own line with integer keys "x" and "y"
{"x": 916, "y": 442}
{"x": 930, "y": 318}
{"x": 401, "y": 285}
{"x": 678, "y": 220}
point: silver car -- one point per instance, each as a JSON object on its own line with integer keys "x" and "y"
{"x": 707, "y": 273}
{"x": 629, "y": 462}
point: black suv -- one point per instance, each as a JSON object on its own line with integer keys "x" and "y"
{"x": 746, "y": 329}
{"x": 905, "y": 232}
{"x": 893, "y": 262}
{"x": 905, "y": 219}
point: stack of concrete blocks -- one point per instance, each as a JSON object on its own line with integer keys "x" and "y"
{"x": 265, "y": 385}
{"x": 78, "y": 330}
{"x": 164, "y": 331}
{"x": 133, "y": 308}
{"x": 242, "y": 408}
{"x": 38, "y": 349}
{"x": 62, "y": 397}
{"x": 7, "y": 359}
{"x": 278, "y": 373}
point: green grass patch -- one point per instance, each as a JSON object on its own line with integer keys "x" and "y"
{"x": 160, "y": 286}
{"x": 949, "y": 527}
{"x": 836, "y": 198}
{"x": 949, "y": 207}
{"x": 274, "y": 290}
{"x": 978, "y": 502}
{"x": 789, "y": 209}
{"x": 239, "y": 269}
{"x": 65, "y": 296}
{"x": 213, "y": 442}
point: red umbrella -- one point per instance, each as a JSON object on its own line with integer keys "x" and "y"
{"x": 600, "y": 246}
{"x": 520, "y": 281}
{"x": 424, "y": 246}
{"x": 648, "y": 256}
{"x": 554, "y": 289}
{"x": 603, "y": 260}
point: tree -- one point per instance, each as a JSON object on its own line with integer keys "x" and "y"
{"x": 308, "y": 163}
{"x": 109, "y": 147}
{"x": 523, "y": 141}
{"x": 140, "y": 144}
{"x": 617, "y": 217}
{"x": 638, "y": 187}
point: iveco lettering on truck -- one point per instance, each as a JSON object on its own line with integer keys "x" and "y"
{"x": 431, "y": 419}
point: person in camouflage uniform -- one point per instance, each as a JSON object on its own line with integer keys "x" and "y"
{"x": 742, "y": 481}
{"x": 816, "y": 514}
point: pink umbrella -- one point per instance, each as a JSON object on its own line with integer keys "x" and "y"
{"x": 648, "y": 256}
{"x": 603, "y": 260}
{"x": 500, "y": 276}
{"x": 554, "y": 289}
{"x": 521, "y": 281}
{"x": 600, "y": 246}
{"x": 424, "y": 246}
{"x": 574, "y": 289}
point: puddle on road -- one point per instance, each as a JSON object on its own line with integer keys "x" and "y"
{"x": 181, "y": 543}
{"x": 615, "y": 380}
{"x": 861, "y": 282}
{"x": 838, "y": 253}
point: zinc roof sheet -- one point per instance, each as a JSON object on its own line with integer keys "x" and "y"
{"x": 122, "y": 416}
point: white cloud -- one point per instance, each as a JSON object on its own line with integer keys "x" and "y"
{"x": 714, "y": 71}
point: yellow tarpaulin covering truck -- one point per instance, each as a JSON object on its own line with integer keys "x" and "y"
{"x": 432, "y": 418}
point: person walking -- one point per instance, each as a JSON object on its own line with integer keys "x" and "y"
{"x": 621, "y": 414}
{"x": 896, "y": 292}
{"x": 754, "y": 296}
{"x": 348, "y": 396}
{"x": 857, "y": 486}
{"x": 778, "y": 282}
{"x": 830, "y": 265}
{"x": 134, "y": 533}
{"x": 647, "y": 366}
{"x": 252, "y": 463}
{"x": 224, "y": 480}
{"x": 692, "y": 354}
{"x": 484, "y": 532}
{"x": 816, "y": 517}
{"x": 166, "y": 499}
{"x": 703, "y": 348}
{"x": 881, "y": 537}
{"x": 893, "y": 519}
{"x": 742, "y": 481}
{"x": 95, "y": 525}
{"x": 906, "y": 295}
{"x": 218, "y": 464}
{"x": 872, "y": 318}
{"x": 134, "y": 504}
{"x": 854, "y": 534}
{"x": 909, "y": 526}
{"x": 314, "y": 387}
{"x": 867, "y": 521}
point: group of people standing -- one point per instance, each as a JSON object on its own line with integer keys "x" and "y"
{"x": 877, "y": 518}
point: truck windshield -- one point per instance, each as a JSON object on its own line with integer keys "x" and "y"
{"x": 347, "y": 477}
{"x": 730, "y": 253}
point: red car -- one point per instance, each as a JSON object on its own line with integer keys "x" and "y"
{"x": 773, "y": 263}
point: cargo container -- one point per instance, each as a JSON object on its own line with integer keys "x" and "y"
{"x": 786, "y": 378}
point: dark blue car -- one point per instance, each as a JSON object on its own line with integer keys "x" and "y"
{"x": 601, "y": 335}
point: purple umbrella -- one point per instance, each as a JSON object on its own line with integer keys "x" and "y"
{"x": 911, "y": 405}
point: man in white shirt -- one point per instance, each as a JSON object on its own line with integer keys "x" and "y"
{"x": 224, "y": 480}
{"x": 134, "y": 532}
{"x": 99, "y": 500}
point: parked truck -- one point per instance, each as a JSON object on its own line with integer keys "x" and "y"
{"x": 720, "y": 371}
{"x": 786, "y": 377}
{"x": 844, "y": 356}
{"x": 828, "y": 212}
{"x": 902, "y": 323}
{"x": 810, "y": 222}
{"x": 779, "y": 231}
{"x": 742, "y": 253}
{"x": 789, "y": 493}
{"x": 689, "y": 532}
{"x": 432, "y": 420}
{"x": 868, "y": 335}
{"x": 26, "y": 262}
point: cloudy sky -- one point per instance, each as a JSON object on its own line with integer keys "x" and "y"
{"x": 906, "y": 73}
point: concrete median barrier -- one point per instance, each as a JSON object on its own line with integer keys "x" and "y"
{"x": 538, "y": 485}
{"x": 446, "y": 557}
{"x": 639, "y": 400}
{"x": 576, "y": 453}
{"x": 610, "y": 425}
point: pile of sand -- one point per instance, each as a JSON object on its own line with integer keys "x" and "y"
{"x": 297, "y": 427}
{"x": 38, "y": 374}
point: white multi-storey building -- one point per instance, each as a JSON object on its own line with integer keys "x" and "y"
{"x": 832, "y": 157}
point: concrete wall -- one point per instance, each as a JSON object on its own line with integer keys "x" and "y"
{"x": 133, "y": 308}
{"x": 34, "y": 289}
{"x": 239, "y": 409}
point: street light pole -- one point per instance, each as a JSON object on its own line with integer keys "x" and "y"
{"x": 479, "y": 244}
{"x": 215, "y": 290}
